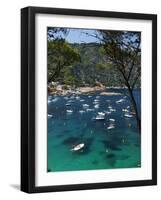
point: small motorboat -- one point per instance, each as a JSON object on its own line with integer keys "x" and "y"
{"x": 125, "y": 110}
{"x": 89, "y": 109}
{"x": 107, "y": 112}
{"x": 120, "y": 101}
{"x": 66, "y": 98}
{"x": 55, "y": 99}
{"x": 69, "y": 111}
{"x": 85, "y": 105}
{"x": 100, "y": 117}
{"x": 111, "y": 126}
{"x": 96, "y": 100}
{"x": 96, "y": 106}
{"x": 49, "y": 115}
{"x": 70, "y": 101}
{"x": 77, "y": 97}
{"x": 112, "y": 120}
{"x": 81, "y": 100}
{"x": 81, "y": 111}
{"x": 68, "y": 104}
{"x": 128, "y": 115}
{"x": 112, "y": 110}
{"x": 101, "y": 113}
{"x": 133, "y": 113}
{"x": 78, "y": 147}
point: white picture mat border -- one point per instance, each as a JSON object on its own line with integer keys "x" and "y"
{"x": 91, "y": 176}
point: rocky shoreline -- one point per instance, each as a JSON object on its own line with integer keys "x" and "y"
{"x": 81, "y": 90}
{"x": 55, "y": 88}
{"x": 67, "y": 90}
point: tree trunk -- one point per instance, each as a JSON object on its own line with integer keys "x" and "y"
{"x": 132, "y": 101}
{"x": 135, "y": 109}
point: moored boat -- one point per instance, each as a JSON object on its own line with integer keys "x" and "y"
{"x": 78, "y": 147}
{"x": 69, "y": 111}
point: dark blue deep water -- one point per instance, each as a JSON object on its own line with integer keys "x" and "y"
{"x": 104, "y": 148}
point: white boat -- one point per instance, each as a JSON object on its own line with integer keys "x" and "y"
{"x": 70, "y": 101}
{"x": 101, "y": 113}
{"x": 49, "y": 115}
{"x": 96, "y": 106}
{"x": 97, "y": 97}
{"x": 55, "y": 99}
{"x": 128, "y": 115}
{"x": 112, "y": 120}
{"x": 69, "y": 111}
{"x": 112, "y": 110}
{"x": 81, "y": 100}
{"x": 81, "y": 111}
{"x": 111, "y": 126}
{"x": 78, "y": 147}
{"x": 125, "y": 110}
{"x": 77, "y": 97}
{"x": 107, "y": 112}
{"x": 96, "y": 100}
{"x": 99, "y": 117}
{"x": 68, "y": 104}
{"x": 89, "y": 109}
{"x": 85, "y": 105}
{"x": 120, "y": 101}
{"x": 89, "y": 96}
{"x": 49, "y": 97}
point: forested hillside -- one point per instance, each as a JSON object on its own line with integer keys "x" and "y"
{"x": 91, "y": 67}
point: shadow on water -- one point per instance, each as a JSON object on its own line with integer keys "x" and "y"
{"x": 112, "y": 144}
{"x": 111, "y": 155}
{"x": 95, "y": 162}
{"x": 71, "y": 141}
{"x": 137, "y": 145}
{"x": 123, "y": 157}
{"x": 111, "y": 159}
{"x": 59, "y": 136}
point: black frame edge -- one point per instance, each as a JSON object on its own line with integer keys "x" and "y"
{"x": 24, "y": 101}
{"x": 27, "y": 103}
{"x": 92, "y": 13}
{"x": 154, "y": 99}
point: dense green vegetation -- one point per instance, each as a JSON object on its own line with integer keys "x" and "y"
{"x": 81, "y": 64}
{"x": 60, "y": 58}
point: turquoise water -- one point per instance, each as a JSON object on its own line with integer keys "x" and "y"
{"x": 103, "y": 149}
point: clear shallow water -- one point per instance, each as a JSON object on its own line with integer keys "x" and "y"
{"x": 104, "y": 149}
